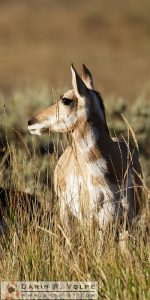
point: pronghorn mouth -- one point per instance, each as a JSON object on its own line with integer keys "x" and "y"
{"x": 37, "y": 129}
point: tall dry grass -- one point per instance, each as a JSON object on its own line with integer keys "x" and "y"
{"x": 40, "y": 250}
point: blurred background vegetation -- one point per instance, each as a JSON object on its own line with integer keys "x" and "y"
{"x": 39, "y": 40}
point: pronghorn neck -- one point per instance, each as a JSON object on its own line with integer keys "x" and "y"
{"x": 91, "y": 125}
{"x": 97, "y": 150}
{"x": 92, "y": 141}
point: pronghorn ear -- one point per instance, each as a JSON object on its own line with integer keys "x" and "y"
{"x": 79, "y": 86}
{"x": 87, "y": 77}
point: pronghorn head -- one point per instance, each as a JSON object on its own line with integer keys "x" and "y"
{"x": 80, "y": 102}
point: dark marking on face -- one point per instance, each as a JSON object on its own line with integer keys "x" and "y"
{"x": 32, "y": 121}
{"x": 67, "y": 101}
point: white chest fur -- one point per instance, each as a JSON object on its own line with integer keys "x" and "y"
{"x": 78, "y": 191}
{"x": 82, "y": 197}
{"x": 73, "y": 194}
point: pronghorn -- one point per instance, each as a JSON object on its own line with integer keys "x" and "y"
{"x": 97, "y": 177}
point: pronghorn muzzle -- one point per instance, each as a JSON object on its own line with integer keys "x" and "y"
{"x": 37, "y": 127}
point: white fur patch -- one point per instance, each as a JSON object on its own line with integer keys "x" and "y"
{"x": 72, "y": 194}
{"x": 98, "y": 168}
{"x": 35, "y": 131}
{"x": 89, "y": 140}
{"x": 70, "y": 121}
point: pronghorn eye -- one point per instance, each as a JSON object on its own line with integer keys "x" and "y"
{"x": 67, "y": 101}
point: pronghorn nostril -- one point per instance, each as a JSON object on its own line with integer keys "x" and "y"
{"x": 31, "y": 122}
